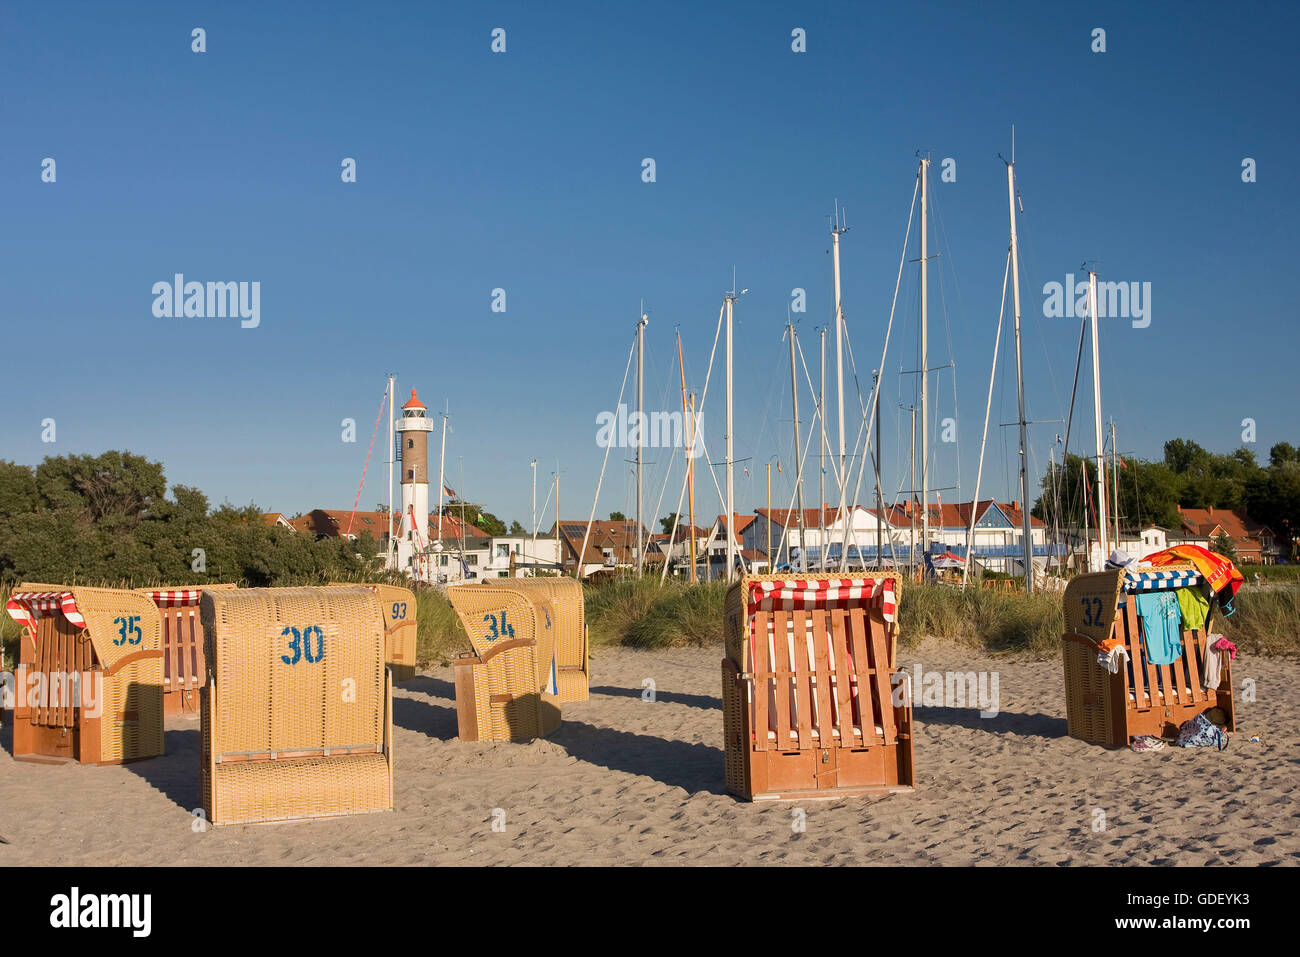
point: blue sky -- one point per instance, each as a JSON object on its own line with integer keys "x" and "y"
{"x": 522, "y": 170}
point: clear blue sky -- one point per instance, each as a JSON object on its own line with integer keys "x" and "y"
{"x": 522, "y": 171}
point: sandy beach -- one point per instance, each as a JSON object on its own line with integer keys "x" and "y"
{"x": 628, "y": 781}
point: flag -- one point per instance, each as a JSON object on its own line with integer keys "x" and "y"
{"x": 1122, "y": 463}
{"x": 1059, "y": 440}
{"x": 449, "y": 491}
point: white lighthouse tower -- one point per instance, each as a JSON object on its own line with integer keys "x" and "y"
{"x": 413, "y": 437}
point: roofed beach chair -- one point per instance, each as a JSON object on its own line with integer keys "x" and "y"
{"x": 566, "y": 610}
{"x": 1138, "y": 698}
{"x": 808, "y": 689}
{"x": 89, "y": 681}
{"x": 184, "y": 668}
{"x": 297, "y": 712}
{"x": 505, "y": 687}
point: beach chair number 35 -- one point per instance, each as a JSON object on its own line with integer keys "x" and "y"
{"x": 301, "y": 645}
{"x": 128, "y": 626}
{"x": 505, "y": 630}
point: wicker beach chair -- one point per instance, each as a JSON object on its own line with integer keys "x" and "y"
{"x": 297, "y": 715}
{"x": 565, "y": 608}
{"x": 184, "y": 668}
{"x": 505, "y": 687}
{"x": 89, "y": 680}
{"x": 400, "y": 629}
{"x": 809, "y": 707}
{"x": 1140, "y": 698}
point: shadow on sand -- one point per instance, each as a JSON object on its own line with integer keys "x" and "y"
{"x": 692, "y": 767}
{"x": 669, "y": 697}
{"x": 1028, "y": 725}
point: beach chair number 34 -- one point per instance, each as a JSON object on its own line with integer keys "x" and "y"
{"x": 504, "y": 630}
{"x": 301, "y": 645}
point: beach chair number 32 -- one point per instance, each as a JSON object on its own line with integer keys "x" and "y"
{"x": 1092, "y": 611}
{"x": 301, "y": 645}
{"x": 505, "y": 630}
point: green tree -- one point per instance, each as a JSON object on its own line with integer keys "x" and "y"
{"x": 617, "y": 517}
{"x": 18, "y": 492}
{"x": 667, "y": 521}
{"x": 517, "y": 529}
{"x": 1222, "y": 544}
{"x": 1181, "y": 455}
{"x": 1273, "y": 498}
{"x": 1283, "y": 453}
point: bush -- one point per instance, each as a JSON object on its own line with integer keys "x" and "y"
{"x": 1267, "y": 620}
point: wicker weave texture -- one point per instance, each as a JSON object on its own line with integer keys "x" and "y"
{"x": 569, "y": 615}
{"x": 271, "y": 701}
{"x": 507, "y": 685}
{"x": 131, "y": 726}
{"x": 1090, "y": 602}
{"x": 400, "y": 627}
{"x": 297, "y": 715}
{"x": 1088, "y": 704}
{"x": 487, "y": 610}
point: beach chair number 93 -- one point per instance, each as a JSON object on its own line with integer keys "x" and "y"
{"x": 301, "y": 645}
{"x": 399, "y": 610}
{"x": 504, "y": 630}
{"x": 1092, "y": 611}
{"x": 128, "y": 626}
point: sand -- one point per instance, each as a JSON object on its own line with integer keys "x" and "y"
{"x": 626, "y": 781}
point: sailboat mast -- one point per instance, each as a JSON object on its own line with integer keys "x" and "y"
{"x": 1114, "y": 471}
{"x": 1025, "y": 528}
{"x": 911, "y": 513}
{"x": 925, "y": 371}
{"x": 1103, "y": 534}
{"x": 731, "y": 491}
{"x": 798, "y": 470}
{"x": 442, "y": 458}
{"x": 821, "y": 496}
{"x": 690, "y": 449}
{"x": 839, "y": 344}
{"x": 640, "y": 432}
{"x": 390, "y": 560}
{"x": 534, "y": 467}
{"x": 880, "y": 563}
{"x": 690, "y": 484}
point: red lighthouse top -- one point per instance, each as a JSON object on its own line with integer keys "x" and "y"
{"x": 414, "y": 403}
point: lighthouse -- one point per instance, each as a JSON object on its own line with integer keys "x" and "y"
{"x": 413, "y": 440}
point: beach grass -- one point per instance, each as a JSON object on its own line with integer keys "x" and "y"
{"x": 644, "y": 614}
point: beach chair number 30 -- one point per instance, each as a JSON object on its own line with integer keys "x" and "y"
{"x": 504, "y": 631}
{"x": 301, "y": 645}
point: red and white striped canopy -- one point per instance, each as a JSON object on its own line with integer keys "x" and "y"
{"x": 26, "y": 607}
{"x": 802, "y": 593}
{"x": 179, "y": 598}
